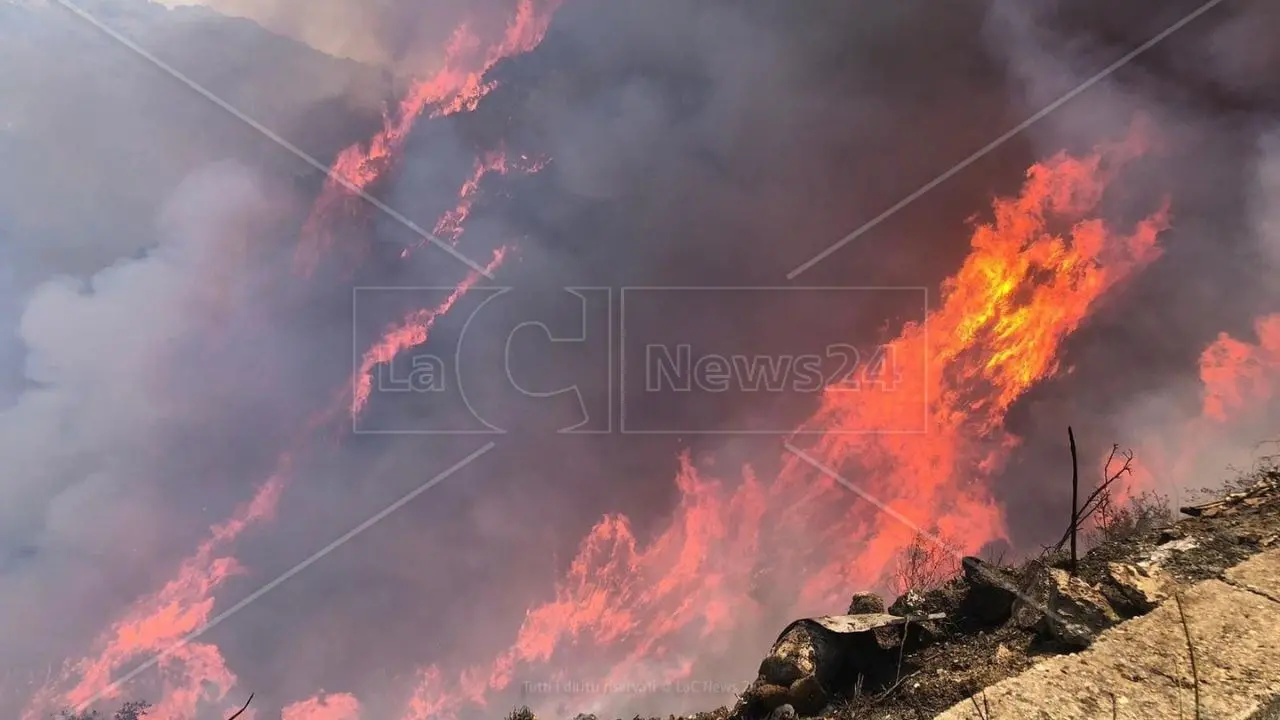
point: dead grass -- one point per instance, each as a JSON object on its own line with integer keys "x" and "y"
{"x": 929, "y": 562}
{"x": 521, "y": 713}
{"x": 1140, "y": 514}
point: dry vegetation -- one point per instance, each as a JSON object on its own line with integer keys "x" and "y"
{"x": 928, "y": 563}
{"x": 130, "y": 711}
{"x": 136, "y": 710}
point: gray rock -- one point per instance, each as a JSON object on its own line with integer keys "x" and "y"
{"x": 783, "y": 712}
{"x": 866, "y": 603}
{"x": 795, "y": 654}
{"x": 760, "y": 698}
{"x": 1134, "y": 590}
{"x": 815, "y": 658}
{"x": 1028, "y": 607}
{"x": 991, "y": 592}
{"x": 807, "y": 695}
{"x": 1062, "y": 607}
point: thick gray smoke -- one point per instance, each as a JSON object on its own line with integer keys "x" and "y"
{"x": 163, "y": 355}
{"x": 122, "y": 368}
{"x": 140, "y": 376}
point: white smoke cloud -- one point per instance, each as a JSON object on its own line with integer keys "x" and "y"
{"x": 84, "y": 496}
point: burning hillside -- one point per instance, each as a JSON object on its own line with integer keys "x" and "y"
{"x": 576, "y": 207}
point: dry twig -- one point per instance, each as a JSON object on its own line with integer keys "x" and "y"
{"x": 1075, "y": 489}
{"x": 241, "y": 710}
{"x": 1100, "y": 497}
{"x": 1191, "y": 653}
{"x": 984, "y": 711}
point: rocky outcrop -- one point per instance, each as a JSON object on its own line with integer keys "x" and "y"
{"x": 1046, "y": 642}
{"x": 865, "y": 602}
{"x": 814, "y": 659}
{"x": 991, "y": 592}
{"x": 1141, "y": 669}
{"x": 1062, "y": 607}
{"x": 1135, "y": 590}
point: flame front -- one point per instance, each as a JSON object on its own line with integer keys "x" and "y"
{"x": 341, "y": 706}
{"x": 1239, "y": 376}
{"x": 649, "y": 612}
{"x": 1239, "y": 384}
{"x": 652, "y": 611}
{"x": 629, "y": 612}
{"x": 164, "y": 624}
{"x": 457, "y": 87}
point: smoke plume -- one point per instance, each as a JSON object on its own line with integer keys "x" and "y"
{"x": 191, "y": 409}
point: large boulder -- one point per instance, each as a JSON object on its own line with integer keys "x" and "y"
{"x": 1134, "y": 590}
{"x": 991, "y": 592}
{"x": 864, "y": 603}
{"x": 813, "y": 659}
{"x": 1062, "y": 607}
{"x": 797, "y": 653}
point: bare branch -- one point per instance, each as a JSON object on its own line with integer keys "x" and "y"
{"x": 1100, "y": 497}
{"x": 241, "y": 710}
{"x": 1075, "y": 489}
{"x": 984, "y": 710}
{"x": 927, "y": 563}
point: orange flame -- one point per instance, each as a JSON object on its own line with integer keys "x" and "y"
{"x": 411, "y": 332}
{"x": 1239, "y": 380}
{"x": 1237, "y": 375}
{"x": 196, "y": 673}
{"x": 341, "y": 706}
{"x": 458, "y": 86}
{"x": 158, "y": 624}
{"x": 1003, "y": 318}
